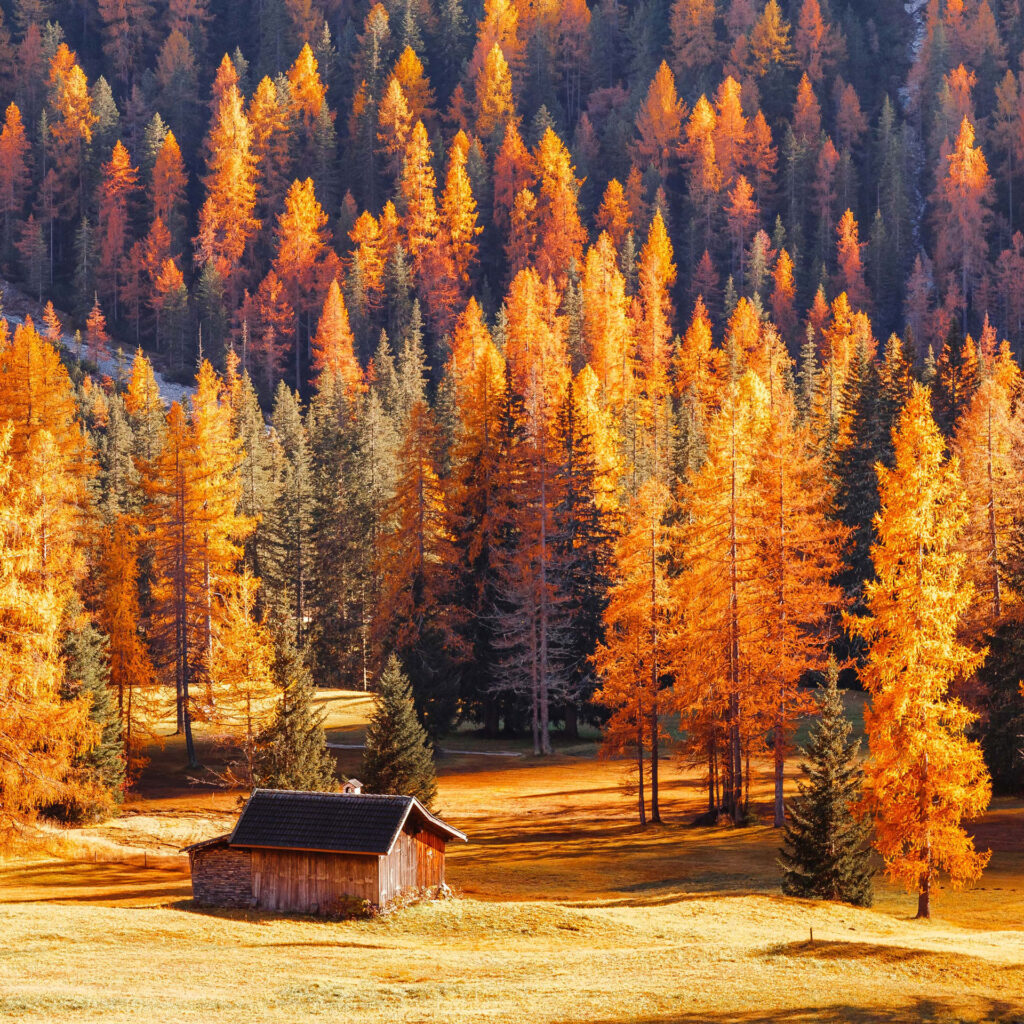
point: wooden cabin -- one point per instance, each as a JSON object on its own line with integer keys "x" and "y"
{"x": 322, "y": 853}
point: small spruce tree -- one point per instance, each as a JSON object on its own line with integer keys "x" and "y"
{"x": 398, "y": 756}
{"x": 293, "y": 750}
{"x": 826, "y": 851}
{"x": 102, "y": 767}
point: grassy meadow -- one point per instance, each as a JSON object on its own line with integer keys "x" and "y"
{"x": 566, "y": 911}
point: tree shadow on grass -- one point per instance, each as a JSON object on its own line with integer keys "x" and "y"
{"x": 100, "y": 882}
{"x": 883, "y": 953}
{"x": 913, "y": 1011}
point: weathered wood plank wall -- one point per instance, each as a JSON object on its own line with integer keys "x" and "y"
{"x": 312, "y": 883}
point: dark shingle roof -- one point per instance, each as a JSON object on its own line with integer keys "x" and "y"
{"x": 332, "y": 822}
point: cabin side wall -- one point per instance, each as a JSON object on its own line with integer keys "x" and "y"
{"x": 430, "y": 862}
{"x": 221, "y": 876}
{"x": 416, "y": 862}
{"x": 313, "y": 883}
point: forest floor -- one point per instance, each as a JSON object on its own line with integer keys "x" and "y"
{"x": 566, "y": 911}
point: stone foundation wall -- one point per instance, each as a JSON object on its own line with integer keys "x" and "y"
{"x": 222, "y": 877}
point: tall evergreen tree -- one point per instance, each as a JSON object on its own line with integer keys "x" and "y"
{"x": 292, "y": 752}
{"x": 398, "y": 756}
{"x": 826, "y": 852}
{"x": 87, "y": 674}
{"x": 289, "y": 524}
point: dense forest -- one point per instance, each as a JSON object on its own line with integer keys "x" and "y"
{"x": 616, "y": 363}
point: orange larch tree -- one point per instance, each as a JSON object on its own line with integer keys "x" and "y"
{"x": 924, "y": 776}
{"x": 731, "y": 132}
{"x": 783, "y": 297}
{"x": 539, "y": 375}
{"x": 334, "y": 345}
{"x": 307, "y": 94}
{"x": 132, "y": 677}
{"x": 411, "y": 76}
{"x": 243, "y": 692}
{"x": 394, "y": 123}
{"x": 193, "y": 532}
{"x": 71, "y": 128}
{"x": 799, "y": 552}
{"x": 514, "y": 170}
{"x": 458, "y": 227}
{"x": 718, "y": 593}
{"x": 705, "y": 176}
{"x": 607, "y": 330}
{"x": 271, "y": 126}
{"x": 498, "y": 27}
{"x": 963, "y": 211}
{"x": 659, "y": 123}
{"x": 560, "y": 232}
{"x": 14, "y": 174}
{"x": 742, "y": 215}
{"x": 989, "y": 440}
{"x": 227, "y": 221}
{"x": 657, "y": 277}
{"x": 633, "y": 662}
{"x": 96, "y": 338}
{"x": 305, "y": 261}
{"x": 118, "y": 182}
{"x": 41, "y": 733}
{"x": 614, "y": 216}
{"x": 169, "y": 182}
{"x": 495, "y": 102}
{"x": 419, "y": 205}
{"x": 850, "y": 278}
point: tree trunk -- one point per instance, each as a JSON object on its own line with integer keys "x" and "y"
{"x": 655, "y": 810}
{"x": 491, "y": 717}
{"x": 997, "y": 608}
{"x": 924, "y": 896}
{"x": 780, "y": 737}
{"x": 572, "y": 721}
{"x": 642, "y": 806}
{"x": 545, "y": 733}
{"x": 712, "y": 779}
{"x": 780, "y": 807}
{"x": 534, "y": 685}
{"x": 736, "y": 754}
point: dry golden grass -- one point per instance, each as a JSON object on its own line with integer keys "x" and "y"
{"x": 568, "y": 912}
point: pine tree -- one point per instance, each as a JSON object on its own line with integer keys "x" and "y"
{"x": 292, "y": 753}
{"x": 288, "y": 522}
{"x": 826, "y": 852}
{"x": 103, "y": 765}
{"x": 398, "y": 757}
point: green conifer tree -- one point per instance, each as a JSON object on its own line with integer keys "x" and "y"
{"x": 398, "y": 756}
{"x": 88, "y": 671}
{"x": 861, "y": 446}
{"x": 289, "y": 523}
{"x": 826, "y": 854}
{"x": 293, "y": 751}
